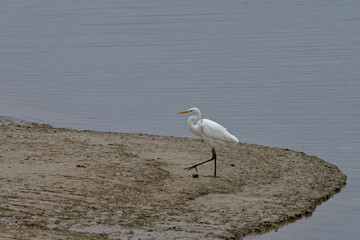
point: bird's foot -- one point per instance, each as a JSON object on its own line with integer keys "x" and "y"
{"x": 192, "y": 167}
{"x": 212, "y": 176}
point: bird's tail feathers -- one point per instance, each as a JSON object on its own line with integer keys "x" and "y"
{"x": 234, "y": 139}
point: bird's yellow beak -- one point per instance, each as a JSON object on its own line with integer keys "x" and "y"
{"x": 186, "y": 111}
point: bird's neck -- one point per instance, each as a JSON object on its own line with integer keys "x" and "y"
{"x": 192, "y": 124}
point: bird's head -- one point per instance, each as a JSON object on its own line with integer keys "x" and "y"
{"x": 195, "y": 110}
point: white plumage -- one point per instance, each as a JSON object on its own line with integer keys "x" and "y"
{"x": 211, "y": 132}
{"x": 215, "y": 134}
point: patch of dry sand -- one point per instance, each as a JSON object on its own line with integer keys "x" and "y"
{"x": 65, "y": 184}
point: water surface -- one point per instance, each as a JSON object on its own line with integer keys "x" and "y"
{"x": 277, "y": 73}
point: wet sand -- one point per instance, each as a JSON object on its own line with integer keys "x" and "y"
{"x": 60, "y": 183}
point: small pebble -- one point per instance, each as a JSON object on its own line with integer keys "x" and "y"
{"x": 195, "y": 175}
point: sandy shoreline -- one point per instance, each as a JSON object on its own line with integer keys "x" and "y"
{"x": 60, "y": 183}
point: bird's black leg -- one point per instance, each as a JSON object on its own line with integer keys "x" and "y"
{"x": 196, "y": 165}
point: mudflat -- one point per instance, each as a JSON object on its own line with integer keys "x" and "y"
{"x": 60, "y": 183}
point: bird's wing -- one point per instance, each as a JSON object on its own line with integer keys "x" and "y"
{"x": 215, "y": 131}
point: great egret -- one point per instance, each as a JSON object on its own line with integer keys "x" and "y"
{"x": 209, "y": 131}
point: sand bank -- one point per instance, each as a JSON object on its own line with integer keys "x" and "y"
{"x": 60, "y": 183}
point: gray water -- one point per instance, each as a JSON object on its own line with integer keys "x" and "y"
{"x": 277, "y": 73}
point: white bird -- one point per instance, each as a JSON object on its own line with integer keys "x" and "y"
{"x": 211, "y": 132}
